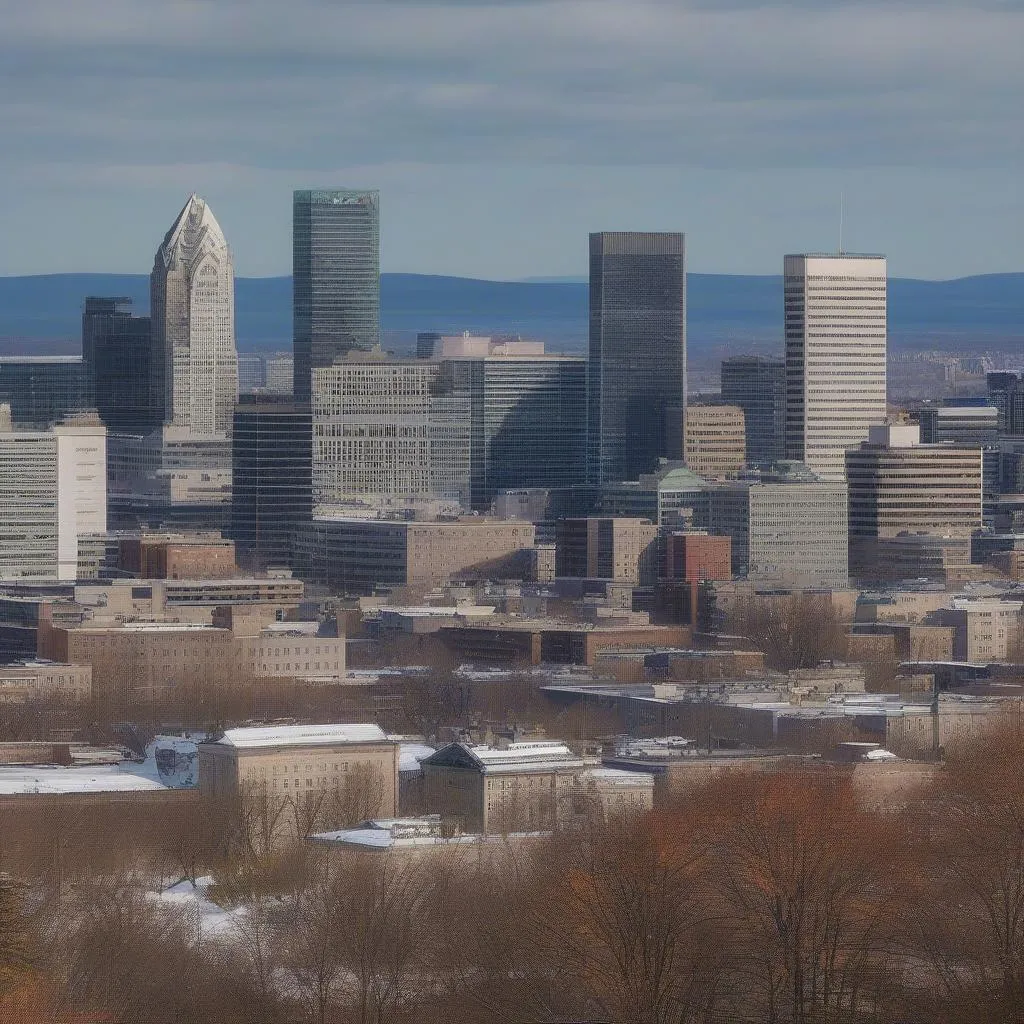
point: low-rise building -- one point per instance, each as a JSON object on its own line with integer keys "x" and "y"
{"x": 984, "y": 629}
{"x": 357, "y": 555}
{"x": 39, "y": 680}
{"x": 289, "y": 762}
{"x": 528, "y": 786}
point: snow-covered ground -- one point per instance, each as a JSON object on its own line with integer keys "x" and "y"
{"x": 210, "y": 919}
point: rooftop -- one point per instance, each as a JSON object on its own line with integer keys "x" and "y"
{"x": 301, "y": 736}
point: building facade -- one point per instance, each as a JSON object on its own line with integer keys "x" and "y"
{"x": 793, "y": 532}
{"x": 835, "y": 310}
{"x": 898, "y": 485}
{"x": 637, "y": 364}
{"x": 42, "y": 390}
{"x": 385, "y": 433}
{"x": 272, "y": 476}
{"x": 335, "y": 278}
{"x": 357, "y": 555}
{"x": 757, "y": 384}
{"x": 714, "y": 440}
{"x": 607, "y": 548}
{"x": 52, "y": 493}
{"x": 117, "y": 350}
{"x": 34, "y": 681}
{"x": 192, "y": 302}
{"x": 527, "y": 786}
{"x": 528, "y": 417}
{"x": 289, "y": 763}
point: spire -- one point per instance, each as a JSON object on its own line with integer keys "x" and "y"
{"x": 195, "y": 230}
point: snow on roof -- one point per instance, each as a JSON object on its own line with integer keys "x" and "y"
{"x": 302, "y": 735}
{"x": 880, "y": 754}
{"x": 619, "y": 777}
{"x": 410, "y": 755}
{"x": 58, "y": 779}
{"x": 538, "y": 754}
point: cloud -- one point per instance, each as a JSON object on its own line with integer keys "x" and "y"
{"x": 103, "y": 96}
{"x": 589, "y": 81}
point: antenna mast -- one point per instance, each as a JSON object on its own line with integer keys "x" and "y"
{"x": 840, "y": 253}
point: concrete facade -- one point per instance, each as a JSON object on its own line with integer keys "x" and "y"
{"x": 835, "y": 323}
{"x": 290, "y": 762}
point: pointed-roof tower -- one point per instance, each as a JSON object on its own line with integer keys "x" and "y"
{"x": 195, "y": 374}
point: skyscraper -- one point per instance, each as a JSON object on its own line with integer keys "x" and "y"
{"x": 272, "y": 476}
{"x": 528, "y": 416}
{"x": 117, "y": 355}
{"x": 637, "y": 366}
{"x": 757, "y": 384}
{"x": 384, "y": 433}
{"x": 835, "y": 356}
{"x": 43, "y": 389}
{"x": 335, "y": 277}
{"x": 195, "y": 364}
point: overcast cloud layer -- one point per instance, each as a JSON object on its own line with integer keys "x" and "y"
{"x": 500, "y": 133}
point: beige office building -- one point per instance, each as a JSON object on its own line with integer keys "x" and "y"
{"x": 714, "y": 440}
{"x": 383, "y": 434}
{"x": 899, "y": 486}
{"x": 985, "y": 629}
{"x": 526, "y": 787}
{"x": 291, "y": 762}
{"x": 28, "y": 681}
{"x": 835, "y": 309}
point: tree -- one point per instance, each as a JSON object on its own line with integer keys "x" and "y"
{"x": 968, "y": 920}
{"x": 627, "y": 912}
{"x": 811, "y": 878}
{"x": 797, "y": 631}
{"x": 17, "y": 956}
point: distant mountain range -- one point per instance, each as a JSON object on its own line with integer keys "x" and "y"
{"x": 726, "y": 312}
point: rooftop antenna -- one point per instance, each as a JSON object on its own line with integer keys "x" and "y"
{"x": 840, "y": 253}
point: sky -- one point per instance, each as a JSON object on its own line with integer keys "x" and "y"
{"x": 500, "y": 133}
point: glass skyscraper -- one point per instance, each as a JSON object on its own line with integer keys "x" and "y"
{"x": 757, "y": 384}
{"x": 43, "y": 389}
{"x": 637, "y": 366}
{"x": 335, "y": 277}
{"x": 117, "y": 353}
{"x": 528, "y": 421}
{"x": 272, "y": 477}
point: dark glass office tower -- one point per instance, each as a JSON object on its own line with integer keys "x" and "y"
{"x": 43, "y": 389}
{"x": 757, "y": 384}
{"x": 528, "y": 421}
{"x": 116, "y": 352}
{"x": 335, "y": 277}
{"x": 272, "y": 474}
{"x": 637, "y": 366}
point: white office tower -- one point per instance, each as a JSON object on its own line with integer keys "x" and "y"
{"x": 52, "y": 494}
{"x": 835, "y": 356}
{"x": 195, "y": 374}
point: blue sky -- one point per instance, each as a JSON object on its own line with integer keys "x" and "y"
{"x": 500, "y": 133}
